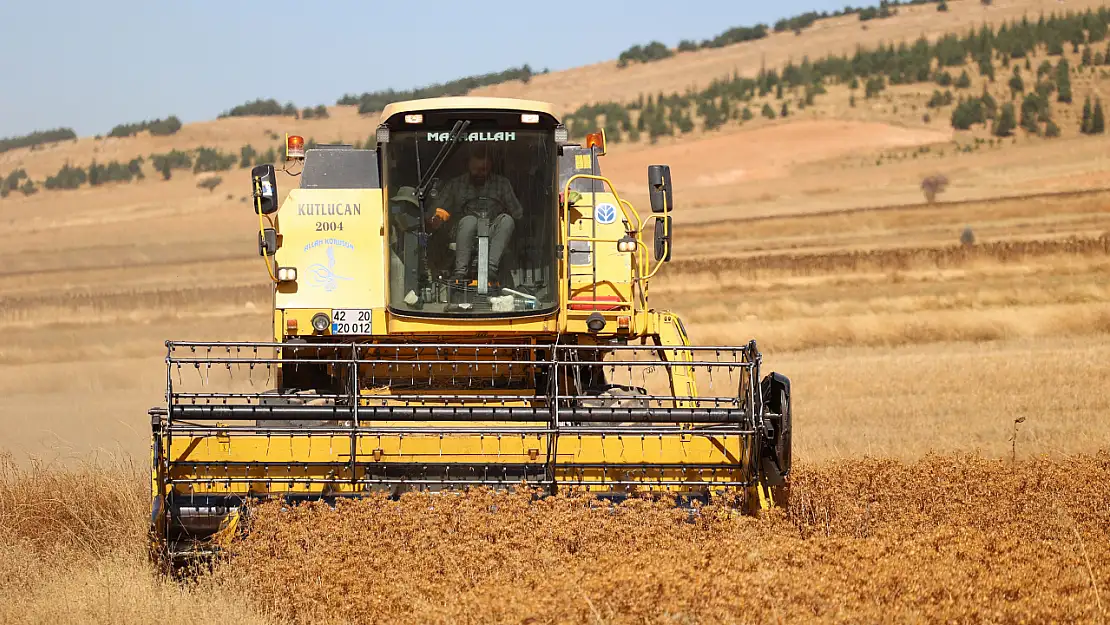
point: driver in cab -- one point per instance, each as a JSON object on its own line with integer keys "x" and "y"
{"x": 478, "y": 196}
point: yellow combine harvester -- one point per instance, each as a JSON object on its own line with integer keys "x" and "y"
{"x": 466, "y": 304}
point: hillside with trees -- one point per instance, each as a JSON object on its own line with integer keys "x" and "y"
{"x": 373, "y": 101}
{"x": 1037, "y": 76}
{"x": 953, "y": 61}
{"x": 656, "y": 50}
{"x": 37, "y": 138}
{"x": 157, "y": 127}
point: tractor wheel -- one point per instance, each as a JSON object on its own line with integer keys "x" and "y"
{"x": 778, "y": 452}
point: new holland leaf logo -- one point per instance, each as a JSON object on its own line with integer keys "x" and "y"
{"x": 605, "y": 214}
{"x": 325, "y": 276}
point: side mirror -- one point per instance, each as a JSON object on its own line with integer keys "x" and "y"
{"x": 264, "y": 183}
{"x": 659, "y": 188}
{"x": 267, "y": 242}
{"x": 663, "y": 239}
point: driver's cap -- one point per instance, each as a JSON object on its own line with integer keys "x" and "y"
{"x": 406, "y": 194}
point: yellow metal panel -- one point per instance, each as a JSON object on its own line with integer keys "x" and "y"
{"x": 337, "y": 448}
{"x": 335, "y": 240}
{"x": 599, "y": 216}
{"x": 378, "y": 325}
{"x": 570, "y": 448}
{"x": 473, "y": 328}
{"x": 290, "y": 458}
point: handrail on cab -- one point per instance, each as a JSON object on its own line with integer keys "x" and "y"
{"x": 630, "y": 214}
{"x": 625, "y": 205}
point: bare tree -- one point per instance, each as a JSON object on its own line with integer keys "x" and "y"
{"x": 932, "y": 185}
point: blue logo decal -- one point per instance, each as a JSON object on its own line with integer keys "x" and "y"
{"x": 605, "y": 214}
{"x": 326, "y": 276}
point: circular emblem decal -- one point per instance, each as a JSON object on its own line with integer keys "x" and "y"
{"x": 605, "y": 214}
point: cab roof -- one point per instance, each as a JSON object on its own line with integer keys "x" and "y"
{"x": 464, "y": 103}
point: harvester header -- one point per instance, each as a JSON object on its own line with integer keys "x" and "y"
{"x": 465, "y": 304}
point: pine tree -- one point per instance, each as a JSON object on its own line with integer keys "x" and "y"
{"x": 1044, "y": 69}
{"x": 1085, "y": 122}
{"x": 1063, "y": 82}
{"x": 1086, "y": 59}
{"x": 1005, "y": 124}
{"x": 1098, "y": 122}
{"x": 964, "y": 81}
{"x": 246, "y": 156}
{"x": 768, "y": 112}
{"x": 986, "y": 67}
{"x": 785, "y": 110}
{"x": 685, "y": 123}
{"x": 1017, "y": 85}
{"x": 990, "y": 107}
{"x": 1029, "y": 109}
{"x": 778, "y": 91}
{"x": 1051, "y": 130}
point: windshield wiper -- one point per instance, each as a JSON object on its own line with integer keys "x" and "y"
{"x": 441, "y": 157}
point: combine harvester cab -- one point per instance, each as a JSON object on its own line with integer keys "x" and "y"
{"x": 465, "y": 305}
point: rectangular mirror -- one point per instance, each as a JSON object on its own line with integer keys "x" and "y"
{"x": 659, "y": 188}
{"x": 663, "y": 239}
{"x": 264, "y": 185}
{"x": 267, "y": 242}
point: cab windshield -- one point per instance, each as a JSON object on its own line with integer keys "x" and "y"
{"x": 482, "y": 241}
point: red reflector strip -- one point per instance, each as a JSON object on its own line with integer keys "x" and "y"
{"x": 600, "y": 298}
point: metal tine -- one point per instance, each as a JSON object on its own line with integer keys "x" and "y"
{"x": 373, "y": 375}
{"x": 493, "y": 378}
{"x": 431, "y": 364}
{"x": 454, "y": 366}
{"x": 717, "y": 355}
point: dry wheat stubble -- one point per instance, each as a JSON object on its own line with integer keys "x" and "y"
{"x": 948, "y": 538}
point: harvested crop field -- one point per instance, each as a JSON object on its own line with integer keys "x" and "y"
{"x": 955, "y": 538}
{"x": 948, "y": 360}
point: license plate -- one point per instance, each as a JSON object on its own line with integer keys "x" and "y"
{"x": 351, "y": 321}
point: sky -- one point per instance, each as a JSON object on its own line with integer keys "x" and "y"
{"x": 92, "y": 65}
